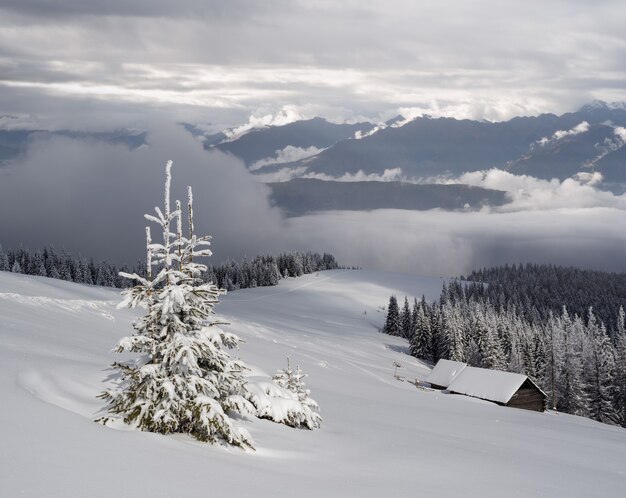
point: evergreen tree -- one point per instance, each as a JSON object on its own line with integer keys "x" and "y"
{"x": 86, "y": 273}
{"x": 405, "y": 319}
{"x": 414, "y": 313}
{"x": 538, "y": 356}
{"x": 65, "y": 270}
{"x": 4, "y": 261}
{"x": 488, "y": 341}
{"x": 552, "y": 332}
{"x": 54, "y": 272}
{"x": 41, "y": 269}
{"x": 620, "y": 377}
{"x": 304, "y": 415}
{"x": 455, "y": 324}
{"x": 570, "y": 397}
{"x": 104, "y": 278}
{"x": 515, "y": 361}
{"x": 600, "y": 372}
{"x": 620, "y": 326}
{"x": 16, "y": 268}
{"x": 184, "y": 381}
{"x": 440, "y": 340}
{"x": 421, "y": 343}
{"x": 393, "y": 325}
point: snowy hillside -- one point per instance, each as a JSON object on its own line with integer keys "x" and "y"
{"x": 380, "y": 436}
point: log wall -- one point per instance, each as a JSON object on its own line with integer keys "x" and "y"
{"x": 528, "y": 397}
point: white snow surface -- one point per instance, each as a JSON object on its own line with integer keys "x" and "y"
{"x": 380, "y": 436}
{"x": 444, "y": 372}
{"x": 493, "y": 385}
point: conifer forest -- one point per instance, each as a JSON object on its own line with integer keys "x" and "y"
{"x": 261, "y": 271}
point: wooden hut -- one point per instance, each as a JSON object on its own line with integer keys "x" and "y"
{"x": 444, "y": 372}
{"x": 503, "y": 388}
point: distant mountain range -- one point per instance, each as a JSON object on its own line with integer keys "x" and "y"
{"x": 545, "y": 146}
{"x": 266, "y": 143}
{"x": 427, "y": 150}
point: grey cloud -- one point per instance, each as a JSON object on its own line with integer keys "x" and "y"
{"x": 451, "y": 243}
{"x": 91, "y": 197}
{"x": 39, "y": 110}
{"x": 53, "y": 9}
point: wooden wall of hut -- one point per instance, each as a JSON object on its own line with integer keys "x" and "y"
{"x": 528, "y": 397}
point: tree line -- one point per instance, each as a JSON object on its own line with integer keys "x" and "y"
{"x": 260, "y": 271}
{"x": 576, "y": 358}
{"x": 538, "y": 290}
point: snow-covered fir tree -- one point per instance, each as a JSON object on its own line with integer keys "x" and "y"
{"x": 393, "y": 324}
{"x": 439, "y": 339}
{"x": 570, "y": 393}
{"x": 420, "y": 343}
{"x": 305, "y": 412}
{"x": 456, "y": 333}
{"x": 600, "y": 373}
{"x": 405, "y": 319}
{"x": 620, "y": 371}
{"x": 552, "y": 356}
{"x": 184, "y": 380}
{"x": 4, "y": 261}
{"x": 16, "y": 268}
{"x": 485, "y": 329}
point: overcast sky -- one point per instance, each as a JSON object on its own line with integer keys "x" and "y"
{"x": 119, "y": 62}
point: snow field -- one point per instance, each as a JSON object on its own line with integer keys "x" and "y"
{"x": 380, "y": 436}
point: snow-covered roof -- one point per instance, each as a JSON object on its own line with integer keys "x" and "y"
{"x": 492, "y": 385}
{"x": 444, "y": 372}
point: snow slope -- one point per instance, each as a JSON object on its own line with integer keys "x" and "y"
{"x": 380, "y": 436}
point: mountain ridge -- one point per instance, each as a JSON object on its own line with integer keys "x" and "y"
{"x": 427, "y": 147}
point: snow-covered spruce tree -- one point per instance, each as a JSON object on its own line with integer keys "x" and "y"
{"x": 405, "y": 320}
{"x": 16, "y": 268}
{"x": 293, "y": 381}
{"x": 440, "y": 334}
{"x": 570, "y": 397}
{"x": 184, "y": 381}
{"x": 420, "y": 343}
{"x": 456, "y": 325}
{"x": 620, "y": 370}
{"x": 393, "y": 325}
{"x": 600, "y": 373}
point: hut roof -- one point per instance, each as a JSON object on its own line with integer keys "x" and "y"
{"x": 444, "y": 372}
{"x": 492, "y": 385}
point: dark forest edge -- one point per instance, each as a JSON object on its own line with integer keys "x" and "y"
{"x": 563, "y": 327}
{"x": 261, "y": 271}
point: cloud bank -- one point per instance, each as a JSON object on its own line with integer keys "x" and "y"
{"x": 286, "y": 174}
{"x": 439, "y": 243}
{"x": 527, "y": 193}
{"x": 90, "y": 197}
{"x": 287, "y": 155}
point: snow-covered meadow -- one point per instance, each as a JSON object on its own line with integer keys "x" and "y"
{"x": 380, "y": 436}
